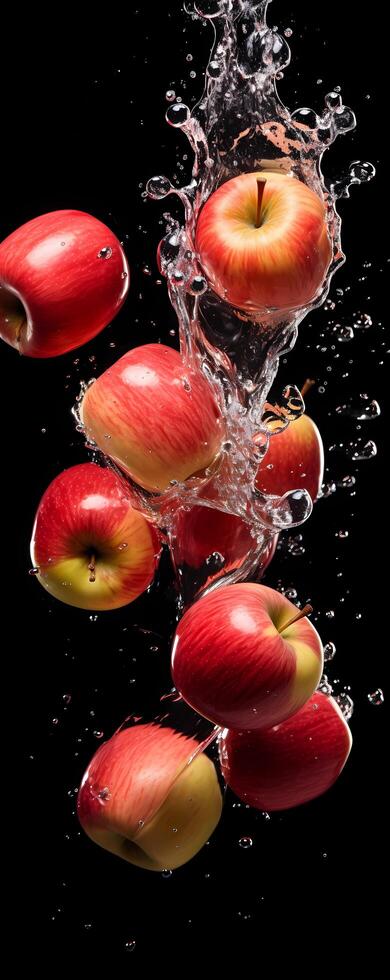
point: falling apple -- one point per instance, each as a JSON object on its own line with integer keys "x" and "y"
{"x": 154, "y": 416}
{"x": 63, "y": 277}
{"x": 262, "y": 241}
{"x": 89, "y": 546}
{"x": 245, "y": 657}
{"x": 294, "y": 460}
{"x": 290, "y": 763}
{"x": 143, "y": 799}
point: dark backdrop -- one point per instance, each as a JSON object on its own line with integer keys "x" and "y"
{"x": 83, "y": 127}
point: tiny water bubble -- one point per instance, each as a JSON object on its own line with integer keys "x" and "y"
{"x": 105, "y": 252}
{"x": 345, "y": 704}
{"x": 130, "y": 946}
{"x": 158, "y": 187}
{"x": 344, "y": 334}
{"x": 177, "y": 114}
{"x": 361, "y": 450}
{"x": 329, "y": 651}
{"x": 245, "y": 842}
{"x": 376, "y": 697}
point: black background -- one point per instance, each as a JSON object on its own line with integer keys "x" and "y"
{"x": 83, "y": 127}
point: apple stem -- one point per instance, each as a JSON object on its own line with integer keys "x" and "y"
{"x": 306, "y": 387}
{"x": 299, "y": 615}
{"x": 92, "y": 567}
{"x": 260, "y": 191}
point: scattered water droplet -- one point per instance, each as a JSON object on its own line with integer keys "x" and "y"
{"x": 345, "y": 704}
{"x": 105, "y": 252}
{"x": 245, "y": 842}
{"x": 377, "y": 697}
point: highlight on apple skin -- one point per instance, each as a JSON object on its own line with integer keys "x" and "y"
{"x": 294, "y": 460}
{"x": 239, "y": 661}
{"x": 262, "y": 241}
{"x": 90, "y": 547}
{"x": 142, "y": 799}
{"x": 291, "y": 763}
{"x": 63, "y": 277}
{"x": 156, "y": 418}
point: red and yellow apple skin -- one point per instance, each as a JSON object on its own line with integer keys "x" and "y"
{"x": 290, "y": 763}
{"x": 233, "y": 662}
{"x": 92, "y": 549}
{"x": 63, "y": 277}
{"x": 157, "y": 419}
{"x": 202, "y": 531}
{"x": 279, "y": 265}
{"x": 293, "y": 461}
{"x": 142, "y": 799}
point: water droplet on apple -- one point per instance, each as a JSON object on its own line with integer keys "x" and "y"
{"x": 105, "y": 252}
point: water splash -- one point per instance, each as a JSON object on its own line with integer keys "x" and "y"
{"x": 240, "y": 125}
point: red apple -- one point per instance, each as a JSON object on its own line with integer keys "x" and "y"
{"x": 293, "y": 461}
{"x": 290, "y": 763}
{"x": 63, "y": 277}
{"x": 154, "y": 416}
{"x": 144, "y": 800}
{"x": 263, "y": 243}
{"x": 201, "y": 532}
{"x": 92, "y": 549}
{"x": 245, "y": 657}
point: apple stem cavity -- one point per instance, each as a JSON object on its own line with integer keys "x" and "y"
{"x": 306, "y": 387}
{"x": 260, "y": 191}
{"x": 92, "y": 567}
{"x": 299, "y": 615}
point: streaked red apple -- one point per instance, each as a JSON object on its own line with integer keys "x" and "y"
{"x": 142, "y": 799}
{"x": 293, "y": 461}
{"x": 90, "y": 547}
{"x": 63, "y": 277}
{"x": 201, "y": 532}
{"x": 290, "y": 763}
{"x": 262, "y": 241}
{"x": 154, "y": 416}
{"x": 245, "y": 657}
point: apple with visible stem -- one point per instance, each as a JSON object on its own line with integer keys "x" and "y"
{"x": 291, "y": 763}
{"x": 143, "y": 799}
{"x": 294, "y": 459}
{"x": 63, "y": 277}
{"x": 90, "y": 548}
{"x": 245, "y": 657}
{"x": 155, "y": 417}
{"x": 263, "y": 242}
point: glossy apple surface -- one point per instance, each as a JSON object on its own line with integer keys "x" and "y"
{"x": 279, "y": 265}
{"x": 237, "y": 662}
{"x": 291, "y": 763}
{"x": 141, "y": 799}
{"x": 157, "y": 419}
{"x": 92, "y": 549}
{"x": 63, "y": 277}
{"x": 293, "y": 461}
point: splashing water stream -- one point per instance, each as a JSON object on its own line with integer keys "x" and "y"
{"x": 240, "y": 126}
